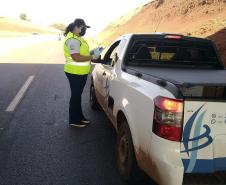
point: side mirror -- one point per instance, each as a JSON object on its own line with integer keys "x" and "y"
{"x": 97, "y": 60}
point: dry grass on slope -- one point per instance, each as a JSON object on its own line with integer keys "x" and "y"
{"x": 11, "y": 27}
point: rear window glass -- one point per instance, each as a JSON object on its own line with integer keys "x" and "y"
{"x": 172, "y": 52}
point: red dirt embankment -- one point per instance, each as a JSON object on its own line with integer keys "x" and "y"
{"x": 199, "y": 18}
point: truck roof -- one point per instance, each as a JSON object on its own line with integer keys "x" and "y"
{"x": 161, "y": 35}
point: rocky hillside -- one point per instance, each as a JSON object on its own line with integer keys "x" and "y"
{"x": 201, "y": 18}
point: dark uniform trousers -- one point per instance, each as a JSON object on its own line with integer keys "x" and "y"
{"x": 77, "y": 84}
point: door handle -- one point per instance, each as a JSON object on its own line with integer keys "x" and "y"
{"x": 104, "y": 74}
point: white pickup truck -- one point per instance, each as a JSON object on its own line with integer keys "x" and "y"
{"x": 165, "y": 95}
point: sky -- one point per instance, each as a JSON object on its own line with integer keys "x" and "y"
{"x": 96, "y": 13}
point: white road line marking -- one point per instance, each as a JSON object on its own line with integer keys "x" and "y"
{"x": 19, "y": 95}
{"x": 1, "y": 128}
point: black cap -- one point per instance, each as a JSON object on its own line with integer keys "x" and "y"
{"x": 80, "y": 22}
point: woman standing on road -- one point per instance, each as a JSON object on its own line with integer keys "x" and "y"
{"x": 77, "y": 68}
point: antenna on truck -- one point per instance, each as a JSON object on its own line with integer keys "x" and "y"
{"x": 158, "y": 25}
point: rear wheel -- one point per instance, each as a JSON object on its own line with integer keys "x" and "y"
{"x": 126, "y": 160}
{"x": 93, "y": 100}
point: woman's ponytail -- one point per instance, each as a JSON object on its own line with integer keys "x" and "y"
{"x": 69, "y": 28}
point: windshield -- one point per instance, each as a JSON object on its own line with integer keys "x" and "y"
{"x": 172, "y": 52}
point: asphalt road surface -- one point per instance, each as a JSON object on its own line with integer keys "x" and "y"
{"x": 36, "y": 144}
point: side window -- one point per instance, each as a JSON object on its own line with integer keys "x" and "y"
{"x": 110, "y": 56}
{"x": 114, "y": 52}
{"x": 121, "y": 46}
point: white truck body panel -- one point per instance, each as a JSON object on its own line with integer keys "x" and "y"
{"x": 163, "y": 160}
{"x": 149, "y": 155}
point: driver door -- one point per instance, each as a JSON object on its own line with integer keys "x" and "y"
{"x": 106, "y": 70}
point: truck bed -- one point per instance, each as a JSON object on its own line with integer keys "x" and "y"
{"x": 184, "y": 78}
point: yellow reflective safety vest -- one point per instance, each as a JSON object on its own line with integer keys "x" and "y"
{"x": 74, "y": 67}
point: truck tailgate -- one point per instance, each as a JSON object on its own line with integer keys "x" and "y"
{"x": 203, "y": 146}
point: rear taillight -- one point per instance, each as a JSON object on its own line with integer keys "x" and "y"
{"x": 168, "y": 118}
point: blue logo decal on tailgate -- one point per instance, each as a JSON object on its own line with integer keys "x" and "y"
{"x": 197, "y": 136}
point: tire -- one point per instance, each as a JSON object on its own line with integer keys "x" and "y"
{"x": 126, "y": 160}
{"x": 93, "y": 100}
